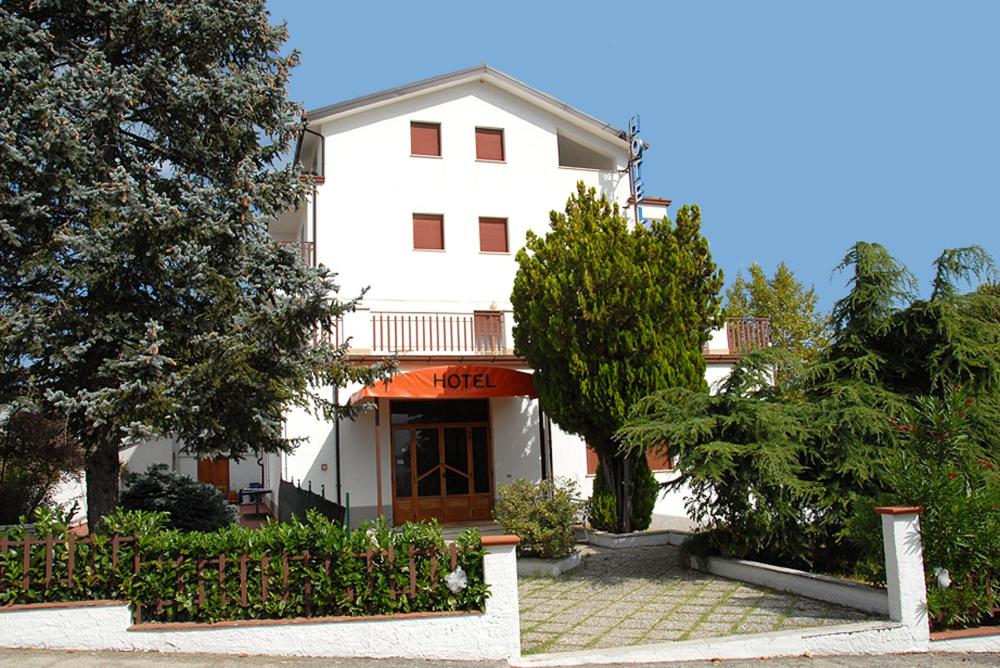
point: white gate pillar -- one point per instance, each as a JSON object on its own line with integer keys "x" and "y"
{"x": 904, "y": 568}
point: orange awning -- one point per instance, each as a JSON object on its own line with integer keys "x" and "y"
{"x": 459, "y": 381}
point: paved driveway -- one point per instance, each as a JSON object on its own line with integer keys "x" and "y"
{"x": 642, "y": 595}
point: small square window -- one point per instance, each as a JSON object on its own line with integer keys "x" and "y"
{"x": 425, "y": 139}
{"x": 489, "y": 144}
{"x": 493, "y": 235}
{"x": 428, "y": 231}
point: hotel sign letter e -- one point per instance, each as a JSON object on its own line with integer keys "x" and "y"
{"x": 463, "y": 381}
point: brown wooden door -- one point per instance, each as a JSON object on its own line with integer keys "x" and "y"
{"x": 442, "y": 472}
{"x": 215, "y": 472}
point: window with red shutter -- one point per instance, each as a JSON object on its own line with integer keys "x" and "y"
{"x": 493, "y": 235}
{"x": 425, "y": 139}
{"x": 428, "y": 231}
{"x": 489, "y": 144}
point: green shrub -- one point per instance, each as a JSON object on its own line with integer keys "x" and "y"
{"x": 542, "y": 515}
{"x": 958, "y": 485}
{"x": 347, "y": 573}
{"x": 191, "y": 505}
{"x": 602, "y": 511}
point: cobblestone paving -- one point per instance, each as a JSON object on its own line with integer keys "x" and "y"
{"x": 643, "y": 595}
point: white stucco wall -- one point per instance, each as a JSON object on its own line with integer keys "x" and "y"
{"x": 374, "y": 186}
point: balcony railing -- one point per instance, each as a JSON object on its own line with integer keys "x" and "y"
{"x": 470, "y": 333}
{"x": 306, "y": 248}
{"x": 745, "y": 334}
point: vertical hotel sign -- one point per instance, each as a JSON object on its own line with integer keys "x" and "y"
{"x": 636, "y": 149}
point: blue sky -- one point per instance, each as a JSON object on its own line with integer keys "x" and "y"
{"x": 798, "y": 127}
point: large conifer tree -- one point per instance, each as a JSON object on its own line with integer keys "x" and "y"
{"x": 607, "y": 313}
{"x": 140, "y": 293}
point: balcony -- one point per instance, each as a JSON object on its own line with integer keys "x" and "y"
{"x": 478, "y": 333}
{"x": 489, "y": 333}
{"x": 307, "y": 250}
{"x": 414, "y": 333}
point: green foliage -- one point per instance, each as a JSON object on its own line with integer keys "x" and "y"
{"x": 607, "y": 313}
{"x": 789, "y": 307}
{"x": 645, "y": 489}
{"x": 96, "y": 576}
{"x": 191, "y": 505}
{"x": 602, "y": 511}
{"x": 776, "y": 471}
{"x": 943, "y": 469}
{"x": 337, "y": 570}
{"x": 143, "y": 158}
{"x": 35, "y": 453}
{"x": 542, "y": 515}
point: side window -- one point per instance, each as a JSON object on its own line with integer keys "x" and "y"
{"x": 428, "y": 231}
{"x": 489, "y": 144}
{"x": 493, "y": 235}
{"x": 425, "y": 139}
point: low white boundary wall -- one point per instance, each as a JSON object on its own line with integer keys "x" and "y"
{"x": 637, "y": 539}
{"x": 491, "y": 635}
{"x": 811, "y": 585}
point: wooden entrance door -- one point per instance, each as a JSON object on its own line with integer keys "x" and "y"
{"x": 215, "y": 472}
{"x": 443, "y": 472}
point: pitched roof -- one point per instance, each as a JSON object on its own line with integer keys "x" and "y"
{"x": 483, "y": 73}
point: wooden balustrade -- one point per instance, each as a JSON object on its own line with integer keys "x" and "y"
{"x": 474, "y": 333}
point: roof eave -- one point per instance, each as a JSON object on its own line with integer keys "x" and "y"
{"x": 444, "y": 81}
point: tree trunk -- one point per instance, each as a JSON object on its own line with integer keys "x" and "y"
{"x": 616, "y": 479}
{"x": 102, "y": 469}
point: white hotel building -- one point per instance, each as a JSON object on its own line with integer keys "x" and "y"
{"x": 424, "y": 194}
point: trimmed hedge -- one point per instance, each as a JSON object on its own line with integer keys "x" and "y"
{"x": 334, "y": 580}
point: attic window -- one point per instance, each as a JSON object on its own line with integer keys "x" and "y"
{"x": 575, "y": 154}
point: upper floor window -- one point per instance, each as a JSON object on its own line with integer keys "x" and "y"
{"x": 493, "y": 235}
{"x": 425, "y": 139}
{"x": 489, "y": 144}
{"x": 428, "y": 231}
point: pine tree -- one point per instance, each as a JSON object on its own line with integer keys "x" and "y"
{"x": 140, "y": 293}
{"x": 774, "y": 470}
{"x": 607, "y": 314}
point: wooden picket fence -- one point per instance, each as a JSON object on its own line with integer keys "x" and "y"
{"x": 70, "y": 544}
{"x": 218, "y": 567}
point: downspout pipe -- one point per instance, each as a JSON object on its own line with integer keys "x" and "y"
{"x": 336, "y": 442}
{"x": 541, "y": 443}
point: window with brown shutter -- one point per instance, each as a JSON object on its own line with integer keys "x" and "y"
{"x": 428, "y": 231}
{"x": 425, "y": 139}
{"x": 493, "y": 235}
{"x": 489, "y": 144}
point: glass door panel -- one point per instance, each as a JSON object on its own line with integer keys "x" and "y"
{"x": 456, "y": 459}
{"x": 481, "y": 459}
{"x": 402, "y": 462}
{"x": 428, "y": 458}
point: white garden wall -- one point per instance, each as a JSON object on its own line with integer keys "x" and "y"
{"x": 491, "y": 635}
